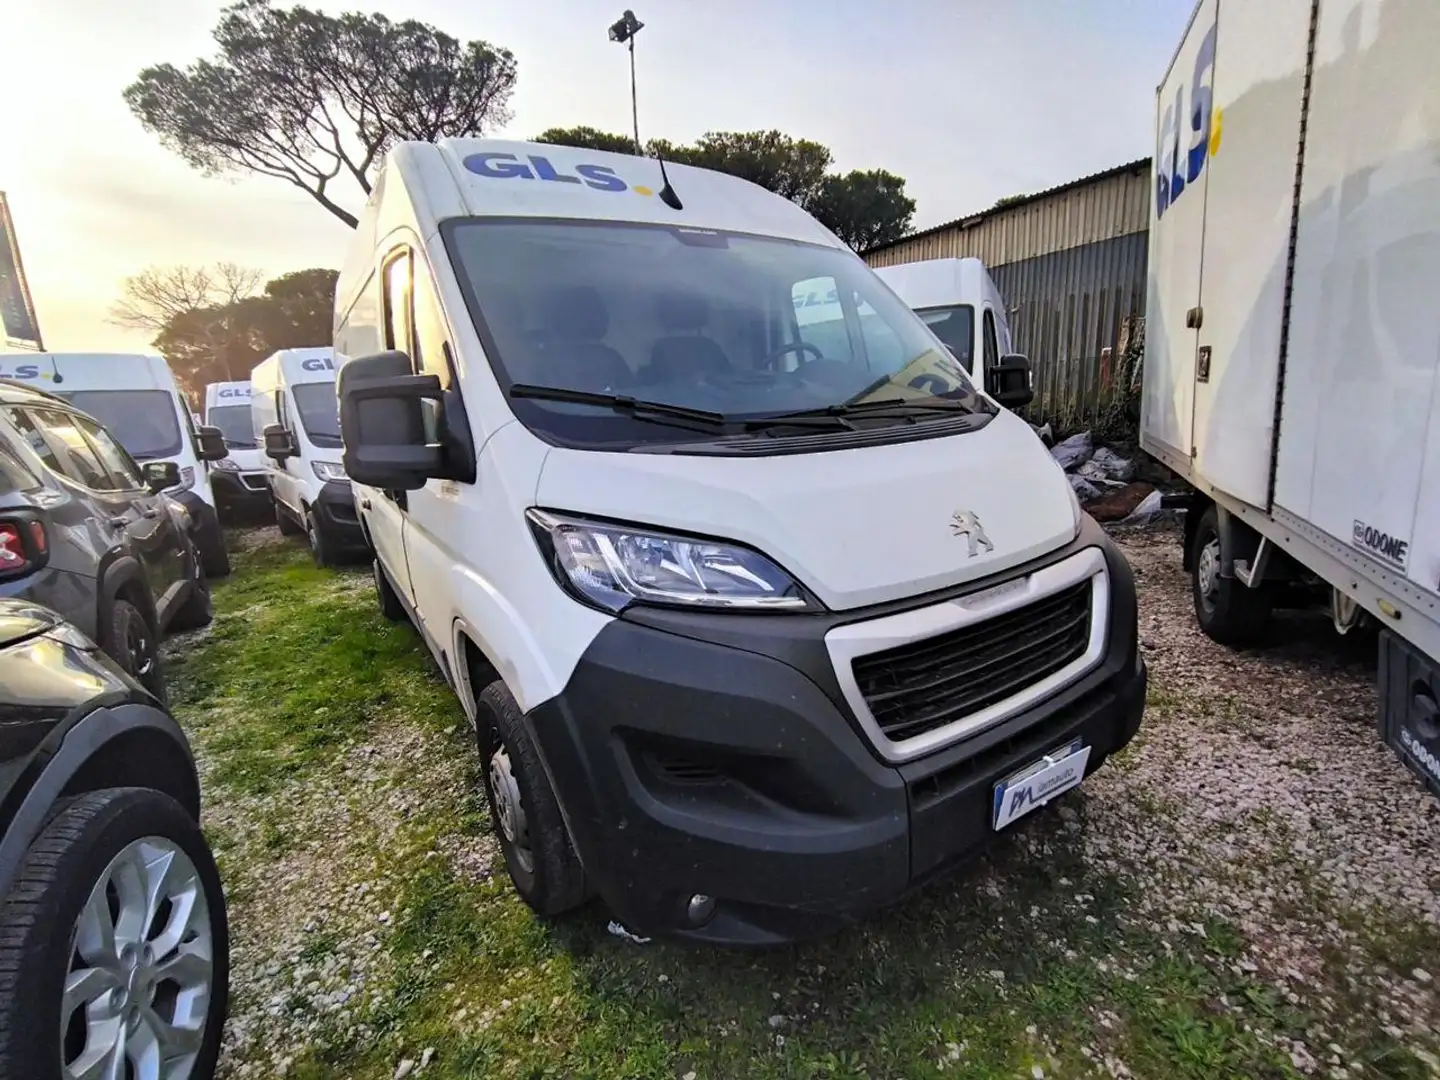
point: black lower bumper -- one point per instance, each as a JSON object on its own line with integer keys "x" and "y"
{"x": 233, "y": 493}
{"x": 689, "y": 766}
{"x": 335, "y": 514}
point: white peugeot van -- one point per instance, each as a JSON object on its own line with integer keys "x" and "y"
{"x": 761, "y": 622}
{"x": 137, "y": 399}
{"x": 958, "y": 300}
{"x": 297, "y": 424}
{"x": 239, "y": 481}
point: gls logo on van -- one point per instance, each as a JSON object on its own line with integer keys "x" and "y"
{"x": 500, "y": 166}
{"x": 1390, "y": 549}
{"x": 1174, "y": 171}
{"x": 233, "y": 392}
{"x": 317, "y": 363}
{"x": 20, "y": 371}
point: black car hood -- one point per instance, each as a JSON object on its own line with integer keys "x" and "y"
{"x": 20, "y": 619}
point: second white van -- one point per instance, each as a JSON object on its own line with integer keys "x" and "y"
{"x": 297, "y": 424}
{"x": 238, "y": 479}
{"x": 762, "y": 621}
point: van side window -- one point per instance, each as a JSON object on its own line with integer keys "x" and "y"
{"x": 399, "y": 307}
{"x": 992, "y": 345}
{"x": 78, "y": 459}
{"x": 429, "y": 333}
{"x": 883, "y": 347}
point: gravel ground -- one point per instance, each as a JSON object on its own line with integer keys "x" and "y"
{"x": 1257, "y": 794}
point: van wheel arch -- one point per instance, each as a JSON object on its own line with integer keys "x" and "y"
{"x": 475, "y": 673}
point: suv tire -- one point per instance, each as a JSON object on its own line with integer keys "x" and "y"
{"x": 134, "y": 643}
{"x": 46, "y": 937}
{"x": 390, "y": 604}
{"x": 523, "y": 810}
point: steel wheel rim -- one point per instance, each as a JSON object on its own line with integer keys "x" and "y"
{"x": 509, "y": 808}
{"x": 137, "y": 644}
{"x": 137, "y": 989}
{"x": 1207, "y": 572}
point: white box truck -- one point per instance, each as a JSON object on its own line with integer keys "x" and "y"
{"x": 1292, "y": 364}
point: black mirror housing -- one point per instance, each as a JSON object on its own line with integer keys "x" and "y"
{"x": 210, "y": 444}
{"x": 382, "y": 422}
{"x": 279, "y": 444}
{"x": 1010, "y": 381}
{"x": 160, "y": 475}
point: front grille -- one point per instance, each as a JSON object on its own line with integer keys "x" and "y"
{"x": 254, "y": 481}
{"x": 928, "y": 684}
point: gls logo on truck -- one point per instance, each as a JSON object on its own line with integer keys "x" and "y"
{"x": 1390, "y": 549}
{"x": 317, "y": 363}
{"x": 1174, "y": 171}
{"x": 235, "y": 393}
{"x": 509, "y": 167}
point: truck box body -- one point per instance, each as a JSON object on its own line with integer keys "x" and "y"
{"x": 1292, "y": 367}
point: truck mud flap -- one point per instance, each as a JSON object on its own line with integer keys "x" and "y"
{"x": 1409, "y": 714}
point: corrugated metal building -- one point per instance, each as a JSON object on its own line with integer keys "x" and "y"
{"x": 1070, "y": 263}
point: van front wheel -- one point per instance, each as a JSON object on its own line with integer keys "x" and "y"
{"x": 523, "y": 810}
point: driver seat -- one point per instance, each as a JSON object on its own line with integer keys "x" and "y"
{"x": 684, "y": 354}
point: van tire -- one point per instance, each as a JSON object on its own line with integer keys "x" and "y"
{"x": 285, "y": 522}
{"x": 210, "y": 544}
{"x": 546, "y": 871}
{"x": 198, "y": 610}
{"x": 320, "y": 545}
{"x": 1228, "y": 611}
{"x": 390, "y": 604}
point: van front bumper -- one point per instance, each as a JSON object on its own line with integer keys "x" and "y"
{"x": 335, "y": 509}
{"x": 240, "y": 491}
{"x": 716, "y": 756}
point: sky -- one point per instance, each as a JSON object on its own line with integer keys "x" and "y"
{"x": 968, "y": 100}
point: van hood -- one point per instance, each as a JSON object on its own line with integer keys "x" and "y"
{"x": 248, "y": 460}
{"x": 855, "y": 527}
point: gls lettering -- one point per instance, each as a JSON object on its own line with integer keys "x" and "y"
{"x": 1174, "y": 170}
{"x": 21, "y": 371}
{"x": 317, "y": 363}
{"x": 498, "y": 166}
{"x": 236, "y": 393}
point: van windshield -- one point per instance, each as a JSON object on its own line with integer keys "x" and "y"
{"x": 319, "y": 412}
{"x": 955, "y": 326}
{"x": 235, "y": 424}
{"x": 739, "y": 326}
{"x": 143, "y": 421}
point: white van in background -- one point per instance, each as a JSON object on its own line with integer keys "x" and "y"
{"x": 240, "y": 482}
{"x": 761, "y": 620}
{"x": 958, "y": 300}
{"x": 297, "y": 424}
{"x": 137, "y": 399}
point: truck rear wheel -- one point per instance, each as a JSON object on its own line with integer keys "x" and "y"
{"x": 1228, "y": 610}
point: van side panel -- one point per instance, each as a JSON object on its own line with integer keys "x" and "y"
{"x": 1177, "y": 229}
{"x": 1260, "y": 55}
{"x": 1358, "y": 455}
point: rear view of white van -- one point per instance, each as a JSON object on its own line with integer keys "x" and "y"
{"x": 297, "y": 427}
{"x": 240, "y": 482}
{"x": 137, "y": 399}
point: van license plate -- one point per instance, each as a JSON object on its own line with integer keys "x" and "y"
{"x": 1039, "y": 782}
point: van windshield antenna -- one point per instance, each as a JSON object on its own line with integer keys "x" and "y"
{"x": 56, "y": 377}
{"x": 667, "y": 193}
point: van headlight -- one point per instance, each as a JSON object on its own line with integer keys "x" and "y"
{"x": 328, "y": 470}
{"x": 611, "y": 566}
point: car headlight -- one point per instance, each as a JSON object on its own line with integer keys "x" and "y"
{"x": 226, "y": 465}
{"x": 612, "y": 566}
{"x": 328, "y": 470}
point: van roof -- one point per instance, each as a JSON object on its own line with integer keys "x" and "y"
{"x": 290, "y": 366}
{"x": 937, "y": 282}
{"x": 93, "y": 371}
{"x": 503, "y": 178}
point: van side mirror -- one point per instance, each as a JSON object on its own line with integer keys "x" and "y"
{"x": 382, "y": 422}
{"x": 210, "y": 443}
{"x": 279, "y": 443}
{"x": 1010, "y": 381}
{"x": 160, "y": 476}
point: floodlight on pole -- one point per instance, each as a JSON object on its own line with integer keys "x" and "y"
{"x": 623, "y": 31}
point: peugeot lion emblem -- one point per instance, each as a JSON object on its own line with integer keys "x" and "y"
{"x": 966, "y": 524}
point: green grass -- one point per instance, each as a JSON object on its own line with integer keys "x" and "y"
{"x": 1030, "y": 958}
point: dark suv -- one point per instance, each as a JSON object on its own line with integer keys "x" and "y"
{"x": 114, "y": 948}
{"x": 85, "y": 530}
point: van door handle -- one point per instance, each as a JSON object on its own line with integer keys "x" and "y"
{"x": 1195, "y": 318}
{"x": 150, "y": 512}
{"x": 364, "y": 503}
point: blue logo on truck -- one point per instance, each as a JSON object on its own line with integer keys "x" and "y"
{"x": 1177, "y": 167}
{"x": 235, "y": 393}
{"x": 317, "y": 363}
{"x": 501, "y": 166}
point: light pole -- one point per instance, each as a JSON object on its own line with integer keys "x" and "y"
{"x": 623, "y": 30}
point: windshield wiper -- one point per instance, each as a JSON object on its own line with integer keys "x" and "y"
{"x": 659, "y": 412}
